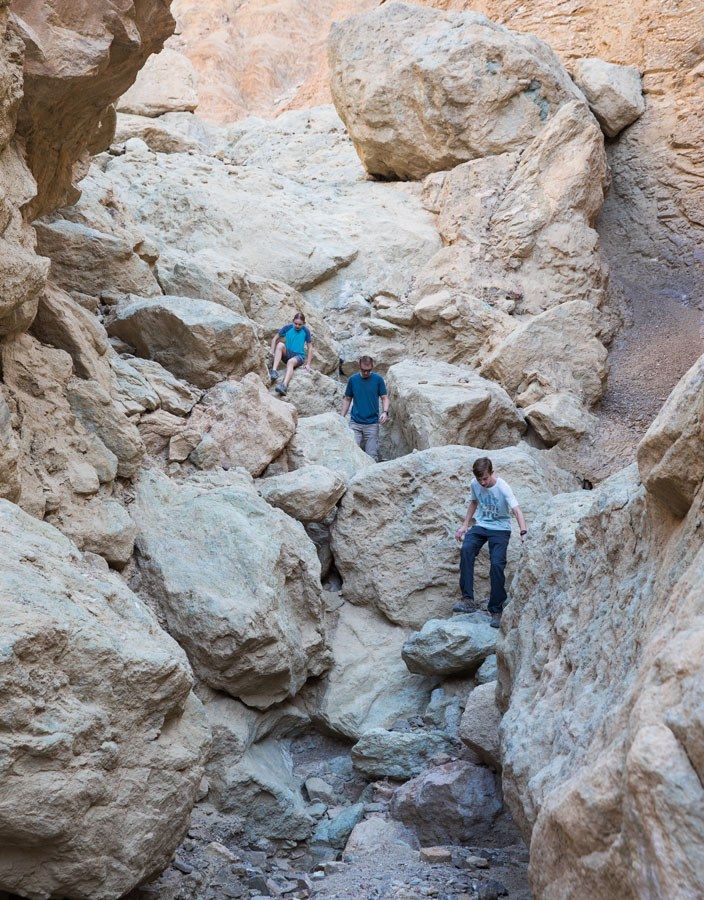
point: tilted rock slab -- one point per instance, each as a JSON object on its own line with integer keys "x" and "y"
{"x": 238, "y": 584}
{"x": 614, "y": 93}
{"x": 484, "y": 89}
{"x": 436, "y": 403}
{"x": 479, "y": 727}
{"x": 399, "y": 754}
{"x": 101, "y": 765}
{"x": 393, "y": 539}
{"x": 308, "y": 494}
{"x": 454, "y": 646}
{"x": 602, "y": 680}
{"x": 199, "y": 341}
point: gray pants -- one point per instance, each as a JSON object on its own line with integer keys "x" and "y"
{"x": 367, "y": 437}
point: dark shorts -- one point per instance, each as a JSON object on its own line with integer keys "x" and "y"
{"x": 296, "y": 357}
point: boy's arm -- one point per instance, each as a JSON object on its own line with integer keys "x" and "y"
{"x": 277, "y": 334}
{"x": 521, "y": 521}
{"x": 462, "y": 530}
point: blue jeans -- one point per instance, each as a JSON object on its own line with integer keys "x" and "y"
{"x": 473, "y": 542}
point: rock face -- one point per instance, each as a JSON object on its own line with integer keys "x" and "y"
{"x": 501, "y": 87}
{"x": 399, "y": 518}
{"x": 479, "y": 728}
{"x": 77, "y": 62}
{"x": 96, "y": 689}
{"x": 327, "y": 440}
{"x": 167, "y": 83}
{"x": 613, "y": 92}
{"x": 242, "y": 593}
{"x": 436, "y": 403}
{"x": 450, "y": 646}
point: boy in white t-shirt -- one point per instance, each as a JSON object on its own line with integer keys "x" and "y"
{"x": 491, "y": 505}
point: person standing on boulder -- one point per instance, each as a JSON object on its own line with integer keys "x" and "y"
{"x": 491, "y": 504}
{"x": 292, "y": 350}
{"x": 364, "y": 390}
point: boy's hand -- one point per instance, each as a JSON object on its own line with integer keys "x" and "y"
{"x": 460, "y": 533}
{"x": 306, "y": 368}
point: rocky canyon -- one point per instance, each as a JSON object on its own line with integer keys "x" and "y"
{"x": 232, "y": 666}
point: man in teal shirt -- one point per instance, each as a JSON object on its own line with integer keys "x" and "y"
{"x": 292, "y": 350}
{"x": 364, "y": 390}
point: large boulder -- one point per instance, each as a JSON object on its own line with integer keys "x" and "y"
{"x": 486, "y": 90}
{"x": 249, "y": 426}
{"x": 453, "y": 646}
{"x": 399, "y": 754}
{"x": 601, "y": 666}
{"x": 671, "y": 454}
{"x": 435, "y": 403}
{"x": 309, "y": 494}
{"x": 168, "y": 83}
{"x": 241, "y": 592}
{"x": 458, "y": 802}
{"x": 197, "y": 340}
{"x": 393, "y": 539}
{"x": 313, "y": 393}
{"x": 614, "y": 92}
{"x": 327, "y": 440}
{"x": 368, "y": 685}
{"x": 101, "y": 695}
{"x": 479, "y": 728}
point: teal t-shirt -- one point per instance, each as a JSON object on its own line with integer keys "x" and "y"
{"x": 494, "y": 505}
{"x": 365, "y": 393}
{"x": 295, "y": 340}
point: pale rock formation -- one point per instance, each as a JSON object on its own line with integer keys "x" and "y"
{"x": 9, "y": 454}
{"x": 399, "y": 517}
{"x": 241, "y": 593}
{"x": 479, "y": 728}
{"x": 455, "y": 802}
{"x": 78, "y": 61}
{"x": 671, "y": 455}
{"x": 100, "y": 526}
{"x": 436, "y": 403}
{"x": 488, "y": 671}
{"x": 327, "y": 440}
{"x": 614, "y": 93}
{"x": 492, "y": 90}
{"x": 199, "y": 341}
{"x": 249, "y": 425}
{"x": 399, "y": 754}
{"x": 559, "y": 417}
{"x": 167, "y": 83}
{"x": 96, "y": 689}
{"x": 368, "y": 685}
{"x": 309, "y": 494}
{"x": 313, "y": 394}
{"x": 376, "y": 835}
{"x": 450, "y": 646}
{"x": 168, "y": 133}
{"x": 173, "y": 395}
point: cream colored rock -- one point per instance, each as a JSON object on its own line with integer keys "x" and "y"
{"x": 10, "y": 484}
{"x": 671, "y": 454}
{"x": 609, "y": 634}
{"x": 435, "y": 403}
{"x": 313, "y": 394}
{"x": 241, "y": 592}
{"x": 557, "y": 351}
{"x": 399, "y": 518}
{"x": 479, "y": 727}
{"x": 309, "y": 494}
{"x": 173, "y": 394}
{"x": 121, "y": 738}
{"x": 157, "y": 428}
{"x": 368, "y": 684}
{"x": 167, "y": 83}
{"x": 560, "y": 417}
{"x": 101, "y": 526}
{"x": 196, "y": 340}
{"x": 326, "y": 440}
{"x": 164, "y": 134}
{"x": 487, "y": 90}
{"x": 614, "y": 93}
{"x": 249, "y": 425}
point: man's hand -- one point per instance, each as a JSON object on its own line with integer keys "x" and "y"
{"x": 383, "y": 418}
{"x": 460, "y": 533}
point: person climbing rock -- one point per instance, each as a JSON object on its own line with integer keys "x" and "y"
{"x": 491, "y": 504}
{"x": 364, "y": 390}
{"x": 291, "y": 350}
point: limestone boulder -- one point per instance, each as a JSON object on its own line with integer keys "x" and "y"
{"x": 368, "y": 685}
{"x": 327, "y": 440}
{"x": 199, "y": 341}
{"x": 479, "y": 728}
{"x": 100, "y": 526}
{"x": 614, "y": 92}
{"x": 487, "y": 90}
{"x": 376, "y": 834}
{"x": 450, "y": 646}
{"x": 309, "y": 494}
{"x": 436, "y": 403}
{"x": 248, "y": 424}
{"x": 488, "y": 671}
{"x": 241, "y": 593}
{"x": 400, "y": 755}
{"x": 560, "y": 418}
{"x": 168, "y": 83}
{"x": 456, "y": 802}
{"x": 163, "y": 134}
{"x": 393, "y": 538}
{"x": 96, "y": 689}
{"x": 313, "y": 393}
{"x": 671, "y": 454}
{"x": 173, "y": 395}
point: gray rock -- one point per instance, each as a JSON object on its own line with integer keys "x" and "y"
{"x": 336, "y": 831}
{"x": 318, "y": 789}
{"x": 393, "y": 754}
{"x": 450, "y": 646}
{"x": 488, "y": 671}
{"x": 479, "y": 728}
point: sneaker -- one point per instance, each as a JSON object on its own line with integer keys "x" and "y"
{"x": 281, "y": 389}
{"x": 464, "y": 606}
{"x": 495, "y": 620}
{"x": 274, "y": 375}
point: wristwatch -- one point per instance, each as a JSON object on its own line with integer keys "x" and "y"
{"x": 525, "y": 531}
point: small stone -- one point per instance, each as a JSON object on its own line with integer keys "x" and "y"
{"x": 476, "y": 862}
{"x": 435, "y": 854}
{"x": 318, "y": 876}
{"x": 319, "y": 790}
{"x": 219, "y": 850}
{"x": 182, "y": 866}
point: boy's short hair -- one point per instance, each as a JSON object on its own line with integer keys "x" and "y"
{"x": 299, "y": 315}
{"x": 482, "y": 466}
{"x": 367, "y": 360}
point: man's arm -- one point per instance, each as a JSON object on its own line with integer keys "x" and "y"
{"x": 384, "y": 402}
{"x": 346, "y": 401}
{"x": 464, "y": 527}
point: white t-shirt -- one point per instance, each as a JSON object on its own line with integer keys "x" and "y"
{"x": 494, "y": 505}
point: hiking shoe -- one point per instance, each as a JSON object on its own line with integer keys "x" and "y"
{"x": 464, "y": 606}
{"x": 274, "y": 375}
{"x": 281, "y": 389}
{"x": 495, "y": 620}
